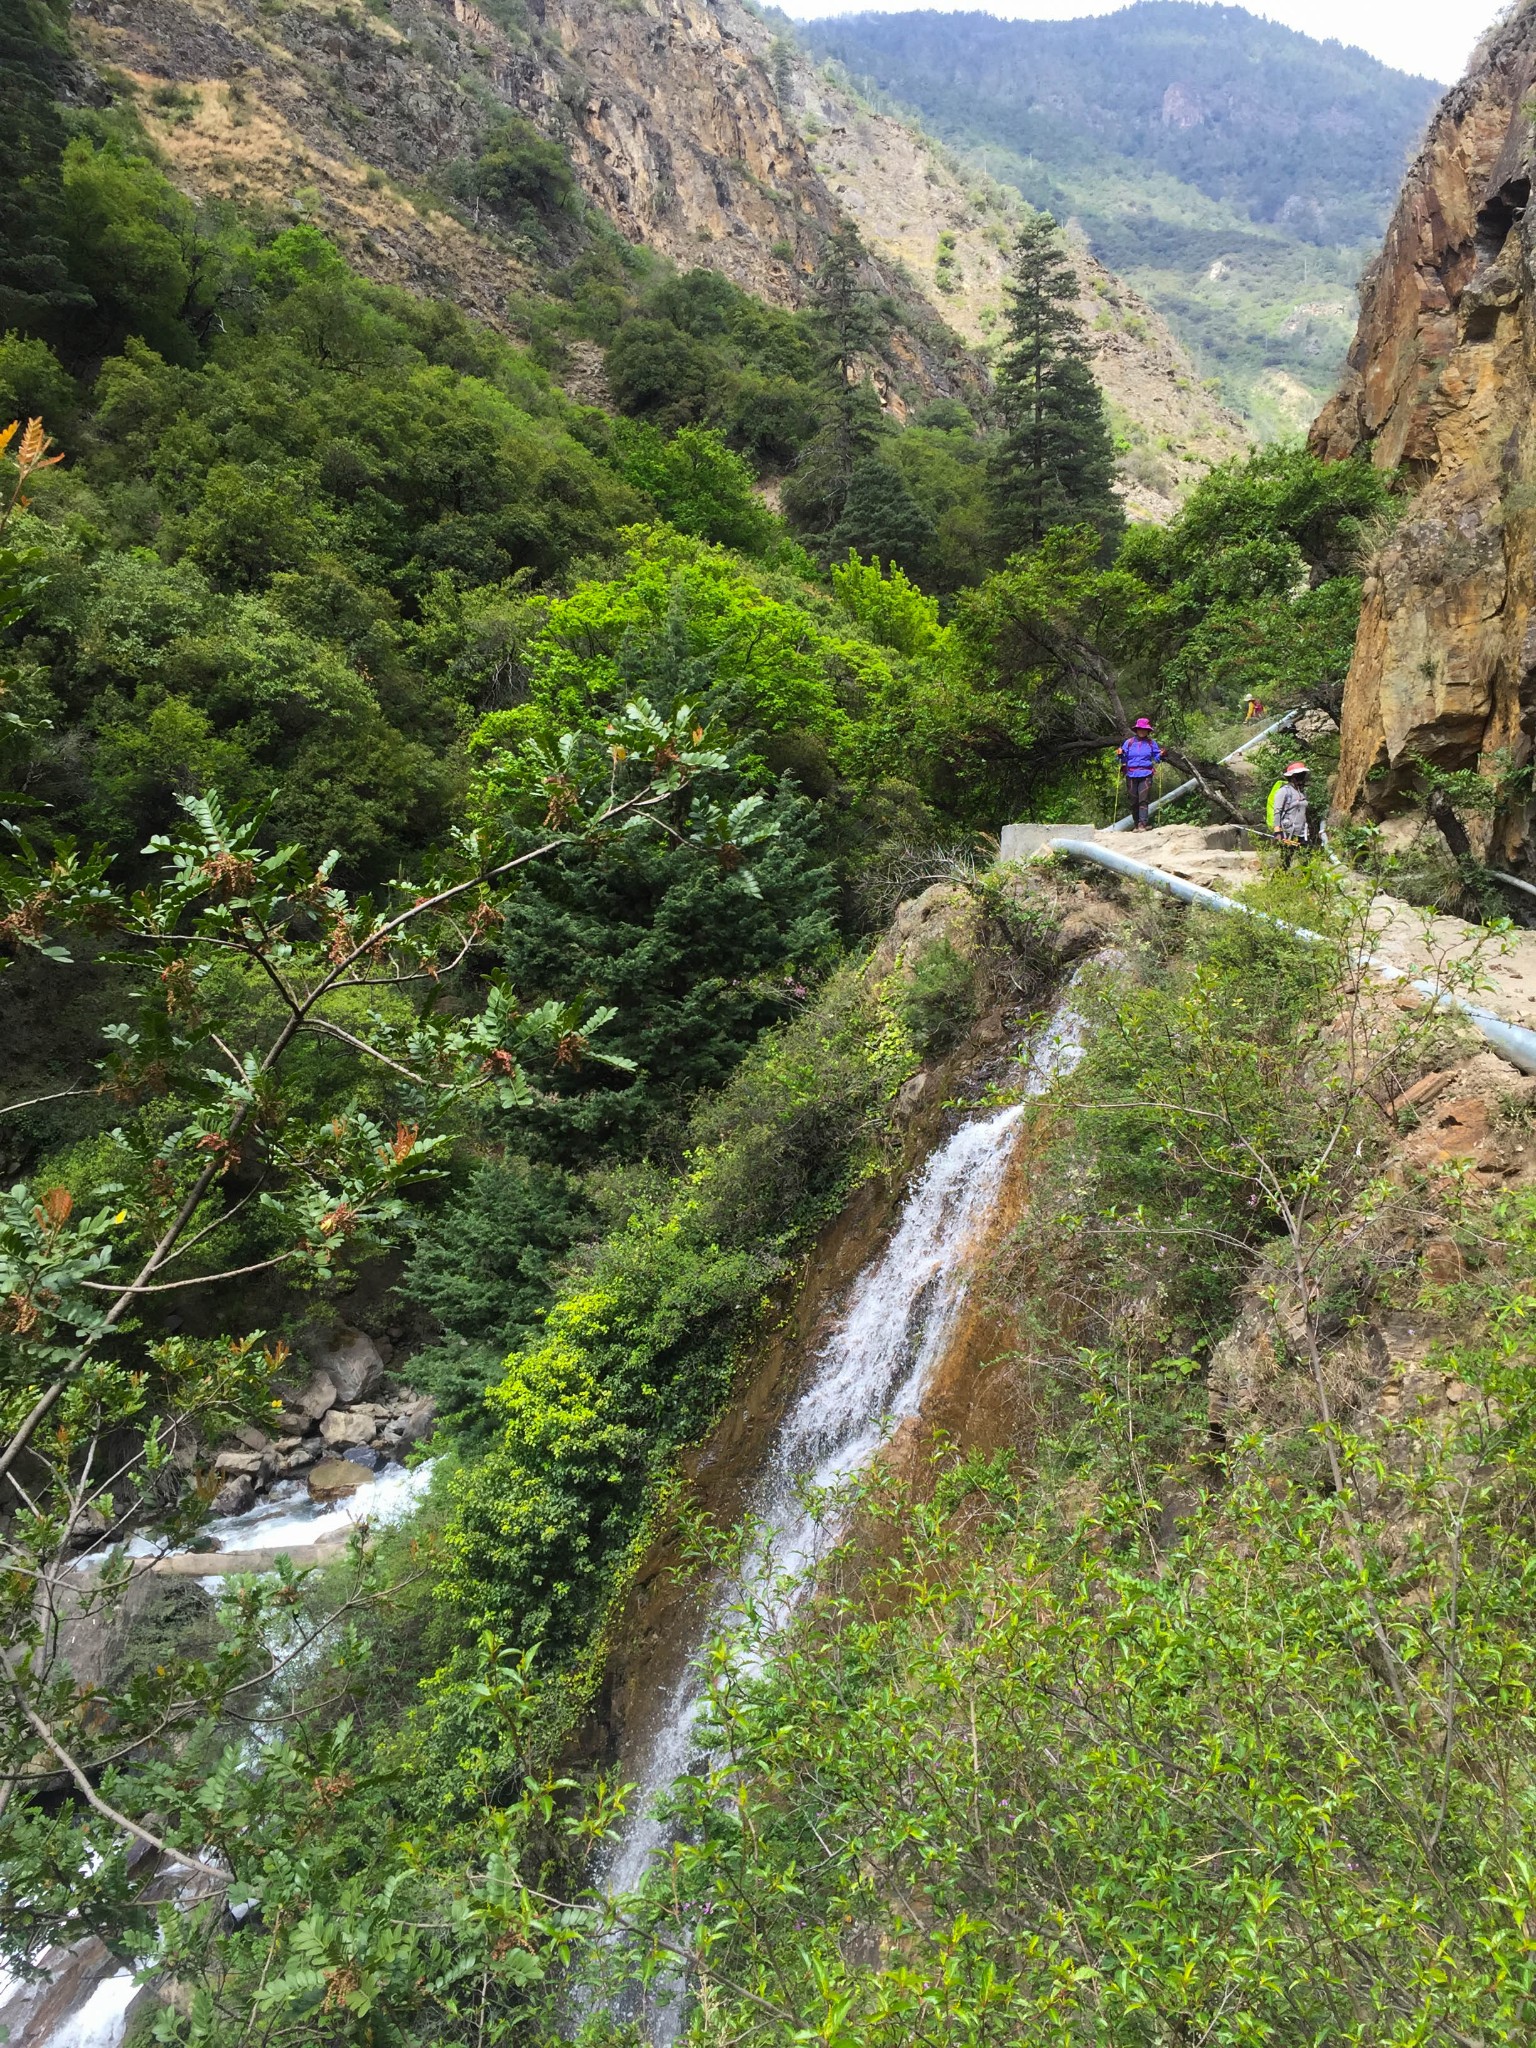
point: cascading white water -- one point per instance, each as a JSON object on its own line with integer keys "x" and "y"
{"x": 103, "y": 2019}
{"x": 287, "y": 1517}
{"x": 872, "y": 1372}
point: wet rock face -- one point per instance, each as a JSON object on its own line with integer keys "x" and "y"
{"x": 1440, "y": 384}
{"x": 31, "y": 2014}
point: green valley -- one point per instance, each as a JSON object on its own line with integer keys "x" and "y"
{"x": 686, "y": 1357}
{"x": 1235, "y": 172}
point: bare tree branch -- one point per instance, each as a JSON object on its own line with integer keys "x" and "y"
{"x": 93, "y": 1798}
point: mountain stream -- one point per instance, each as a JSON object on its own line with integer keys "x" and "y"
{"x": 869, "y": 1376}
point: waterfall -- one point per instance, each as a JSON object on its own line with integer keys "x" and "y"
{"x": 871, "y": 1373}
{"x": 102, "y": 2020}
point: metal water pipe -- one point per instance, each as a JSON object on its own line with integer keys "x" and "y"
{"x": 1513, "y": 1041}
{"x": 1184, "y": 788}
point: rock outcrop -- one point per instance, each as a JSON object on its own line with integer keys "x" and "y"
{"x": 1439, "y": 387}
{"x": 1394, "y": 1363}
{"x": 690, "y": 123}
{"x": 667, "y": 109}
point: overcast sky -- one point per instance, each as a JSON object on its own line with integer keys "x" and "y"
{"x": 1434, "y": 37}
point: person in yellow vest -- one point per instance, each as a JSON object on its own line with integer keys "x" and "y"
{"x": 1287, "y": 814}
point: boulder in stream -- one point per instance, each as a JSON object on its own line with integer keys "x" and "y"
{"x": 237, "y": 1496}
{"x": 307, "y": 1404}
{"x": 108, "y": 1642}
{"x": 417, "y": 1420}
{"x": 343, "y": 1427}
{"x": 362, "y": 1454}
{"x": 335, "y": 1479}
{"x": 234, "y": 1463}
{"x": 351, "y": 1362}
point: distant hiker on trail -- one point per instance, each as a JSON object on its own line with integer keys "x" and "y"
{"x": 1139, "y": 756}
{"x": 1287, "y": 812}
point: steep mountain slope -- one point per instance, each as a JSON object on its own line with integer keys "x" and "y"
{"x": 954, "y": 234}
{"x": 292, "y": 100}
{"x": 683, "y": 122}
{"x": 1440, "y": 385}
{"x": 1230, "y": 169}
{"x": 669, "y": 120}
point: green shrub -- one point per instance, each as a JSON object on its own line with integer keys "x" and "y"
{"x": 657, "y": 371}
{"x": 638, "y": 1354}
{"x": 33, "y": 382}
{"x": 522, "y": 175}
{"x": 697, "y": 483}
{"x": 890, "y": 607}
{"x": 939, "y": 1000}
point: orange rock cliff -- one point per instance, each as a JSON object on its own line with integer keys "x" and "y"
{"x": 1439, "y": 385}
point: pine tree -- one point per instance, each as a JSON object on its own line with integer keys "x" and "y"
{"x": 1056, "y": 464}
{"x": 847, "y": 326}
{"x": 882, "y": 520}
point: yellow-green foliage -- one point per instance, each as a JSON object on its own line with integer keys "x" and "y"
{"x": 698, "y": 620}
{"x": 888, "y": 605}
{"x": 636, "y": 1358}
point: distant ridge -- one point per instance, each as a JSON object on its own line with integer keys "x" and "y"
{"x": 1236, "y": 171}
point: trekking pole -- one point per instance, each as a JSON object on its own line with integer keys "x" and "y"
{"x": 1290, "y": 717}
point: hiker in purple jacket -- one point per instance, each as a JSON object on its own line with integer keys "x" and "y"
{"x": 1139, "y": 756}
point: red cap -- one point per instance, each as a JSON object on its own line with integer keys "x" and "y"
{"x": 1298, "y": 768}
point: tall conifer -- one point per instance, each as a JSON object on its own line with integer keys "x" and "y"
{"x": 1056, "y": 465}
{"x": 847, "y": 323}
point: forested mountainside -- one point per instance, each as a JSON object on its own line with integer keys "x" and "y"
{"x": 1235, "y": 172}
{"x": 523, "y": 1083}
{"x": 953, "y": 232}
{"x": 682, "y": 126}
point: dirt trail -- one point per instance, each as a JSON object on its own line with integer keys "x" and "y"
{"x": 1413, "y": 940}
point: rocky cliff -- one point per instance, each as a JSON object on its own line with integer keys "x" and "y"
{"x": 669, "y": 118}
{"x": 666, "y": 108}
{"x": 1439, "y": 386}
{"x": 693, "y": 127}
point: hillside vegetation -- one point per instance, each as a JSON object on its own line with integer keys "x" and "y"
{"x": 1233, "y": 171}
{"x": 452, "y": 835}
{"x": 1205, "y": 1713}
